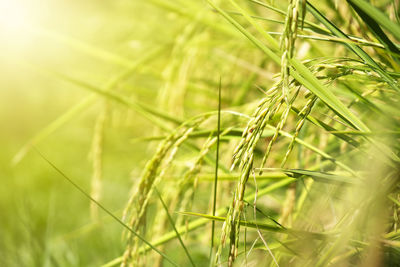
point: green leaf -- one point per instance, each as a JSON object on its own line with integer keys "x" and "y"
{"x": 377, "y": 31}
{"x": 323, "y": 176}
{"x": 301, "y": 73}
{"x": 264, "y": 226}
{"x": 378, "y": 16}
{"x": 356, "y": 49}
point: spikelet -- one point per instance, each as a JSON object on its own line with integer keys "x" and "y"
{"x": 287, "y": 45}
{"x": 244, "y": 152}
{"x": 231, "y": 226}
{"x": 96, "y": 155}
{"x": 137, "y": 204}
{"x": 264, "y": 111}
{"x": 281, "y": 123}
{"x": 188, "y": 184}
{"x": 303, "y": 113}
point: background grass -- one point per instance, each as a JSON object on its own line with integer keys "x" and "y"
{"x": 99, "y": 88}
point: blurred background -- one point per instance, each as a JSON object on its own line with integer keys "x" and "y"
{"x": 92, "y": 84}
{"x": 44, "y": 220}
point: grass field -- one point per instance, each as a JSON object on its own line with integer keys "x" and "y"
{"x": 200, "y": 133}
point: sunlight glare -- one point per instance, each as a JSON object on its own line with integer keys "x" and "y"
{"x": 13, "y": 16}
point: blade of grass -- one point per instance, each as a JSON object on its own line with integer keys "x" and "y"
{"x": 171, "y": 221}
{"x": 263, "y": 226}
{"x": 216, "y": 171}
{"x": 378, "y": 16}
{"x": 381, "y": 133}
{"x": 319, "y": 176}
{"x": 76, "y": 186}
{"x": 376, "y": 30}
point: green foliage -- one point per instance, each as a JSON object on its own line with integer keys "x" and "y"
{"x": 217, "y": 132}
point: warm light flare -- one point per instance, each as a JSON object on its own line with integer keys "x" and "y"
{"x": 13, "y": 17}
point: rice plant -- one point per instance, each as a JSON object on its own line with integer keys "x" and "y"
{"x": 200, "y": 133}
